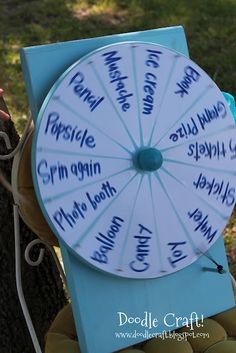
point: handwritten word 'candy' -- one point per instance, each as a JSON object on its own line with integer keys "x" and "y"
{"x": 59, "y": 130}
{"x": 220, "y": 189}
{"x": 84, "y": 92}
{"x": 107, "y": 240}
{"x": 191, "y": 76}
{"x": 202, "y": 224}
{"x": 118, "y": 79}
{"x": 140, "y": 263}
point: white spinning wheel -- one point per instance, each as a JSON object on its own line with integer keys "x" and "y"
{"x": 133, "y": 160}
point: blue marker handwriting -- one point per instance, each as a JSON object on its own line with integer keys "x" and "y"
{"x": 141, "y": 264}
{"x": 51, "y": 174}
{"x": 107, "y": 191}
{"x": 201, "y": 224}
{"x": 220, "y": 189}
{"x": 64, "y": 131}
{"x": 84, "y": 93}
{"x": 177, "y": 252}
{"x": 150, "y": 80}
{"x": 207, "y": 150}
{"x": 232, "y": 148}
{"x": 64, "y": 218}
{"x": 106, "y": 240}
{"x": 117, "y": 79}
{"x": 191, "y": 76}
{"x": 200, "y": 122}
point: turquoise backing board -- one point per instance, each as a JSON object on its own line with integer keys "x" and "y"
{"x": 97, "y": 297}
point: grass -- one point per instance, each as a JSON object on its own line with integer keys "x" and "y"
{"x": 210, "y": 28}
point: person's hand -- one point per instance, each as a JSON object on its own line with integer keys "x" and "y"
{"x": 3, "y": 115}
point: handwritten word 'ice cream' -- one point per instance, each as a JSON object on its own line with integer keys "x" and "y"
{"x": 150, "y": 80}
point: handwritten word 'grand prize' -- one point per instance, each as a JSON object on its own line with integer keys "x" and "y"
{"x": 204, "y": 119}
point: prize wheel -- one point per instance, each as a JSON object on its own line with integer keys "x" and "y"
{"x": 133, "y": 160}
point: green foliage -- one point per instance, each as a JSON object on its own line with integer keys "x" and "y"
{"x": 210, "y": 28}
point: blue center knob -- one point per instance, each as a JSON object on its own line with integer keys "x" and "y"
{"x": 148, "y": 159}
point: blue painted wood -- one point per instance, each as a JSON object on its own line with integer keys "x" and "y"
{"x": 97, "y": 297}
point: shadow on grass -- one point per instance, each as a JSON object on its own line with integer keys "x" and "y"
{"x": 210, "y": 28}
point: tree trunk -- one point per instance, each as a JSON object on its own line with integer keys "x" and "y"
{"x": 42, "y": 285}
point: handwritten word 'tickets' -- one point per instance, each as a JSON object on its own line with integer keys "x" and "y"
{"x": 191, "y": 76}
{"x": 117, "y": 79}
{"x": 207, "y": 150}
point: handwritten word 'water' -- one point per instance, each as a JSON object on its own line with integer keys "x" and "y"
{"x": 117, "y": 79}
{"x": 191, "y": 76}
{"x": 220, "y": 189}
{"x": 141, "y": 264}
{"x": 83, "y": 92}
{"x": 107, "y": 240}
{"x": 150, "y": 80}
{"x": 202, "y": 224}
{"x": 64, "y": 131}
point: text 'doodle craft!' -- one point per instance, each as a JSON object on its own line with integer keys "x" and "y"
{"x": 133, "y": 162}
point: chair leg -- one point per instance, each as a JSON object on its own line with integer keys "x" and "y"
{"x": 40, "y": 258}
{"x": 19, "y": 282}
